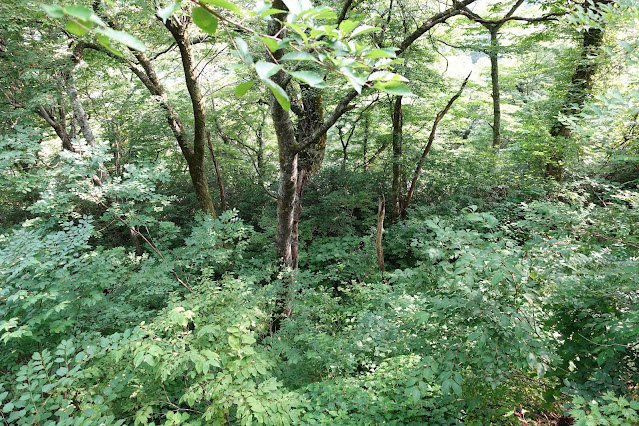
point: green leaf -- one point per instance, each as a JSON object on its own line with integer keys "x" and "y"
{"x": 320, "y": 12}
{"x": 300, "y": 29}
{"x": 272, "y": 44}
{"x": 474, "y": 335}
{"x": 266, "y": 69}
{"x": 149, "y": 360}
{"x": 76, "y": 28}
{"x": 415, "y": 394}
{"x": 248, "y": 339}
{"x": 139, "y": 357}
{"x": 386, "y": 62}
{"x": 79, "y": 12}
{"x": 627, "y": 46}
{"x": 243, "y": 51}
{"x": 364, "y": 29}
{"x": 225, "y": 5}
{"x": 356, "y": 80}
{"x": 269, "y": 12}
{"x": 96, "y": 20}
{"x": 298, "y": 56}
{"x": 242, "y": 88}
{"x": 204, "y": 20}
{"x": 380, "y": 53}
{"x": 52, "y": 10}
{"x": 121, "y": 37}
{"x": 311, "y": 78}
{"x": 346, "y": 27}
{"x": 234, "y": 342}
{"x": 386, "y": 76}
{"x": 280, "y": 94}
{"x": 393, "y": 87}
{"x": 8, "y": 407}
{"x": 106, "y": 42}
{"x": 456, "y": 388}
{"x": 446, "y": 385}
{"x": 166, "y": 12}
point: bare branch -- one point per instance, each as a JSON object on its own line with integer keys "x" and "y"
{"x": 433, "y": 21}
{"x": 342, "y": 14}
{"x": 429, "y": 144}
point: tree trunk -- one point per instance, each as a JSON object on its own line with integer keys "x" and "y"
{"x": 58, "y": 126}
{"x": 429, "y": 144}
{"x": 365, "y": 142}
{"x": 144, "y": 70}
{"x": 288, "y": 156}
{"x": 396, "y": 188}
{"x": 494, "y": 77}
{"x": 344, "y": 149}
{"x": 302, "y": 177}
{"x": 288, "y": 179}
{"x": 493, "y": 26}
{"x": 81, "y": 117}
{"x": 133, "y": 234}
{"x": 304, "y": 150}
{"x": 580, "y": 88}
{"x": 78, "y": 112}
{"x": 197, "y": 168}
{"x": 218, "y": 174}
{"x": 381, "y": 212}
{"x": 310, "y": 158}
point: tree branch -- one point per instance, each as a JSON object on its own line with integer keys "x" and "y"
{"x": 343, "y": 105}
{"x": 433, "y": 21}
{"x": 499, "y": 22}
{"x": 342, "y": 14}
{"x": 429, "y": 144}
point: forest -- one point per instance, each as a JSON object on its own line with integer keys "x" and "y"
{"x": 348, "y": 212}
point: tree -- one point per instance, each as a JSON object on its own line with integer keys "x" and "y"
{"x": 429, "y": 144}
{"x": 194, "y": 151}
{"x": 301, "y": 152}
{"x": 581, "y": 84}
{"x": 494, "y": 26}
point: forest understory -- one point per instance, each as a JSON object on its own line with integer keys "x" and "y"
{"x": 348, "y": 213}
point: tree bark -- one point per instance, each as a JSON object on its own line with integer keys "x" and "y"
{"x": 133, "y": 234}
{"x": 218, "y": 174}
{"x": 78, "y": 111}
{"x": 288, "y": 180}
{"x": 494, "y": 78}
{"x": 365, "y": 142}
{"x": 493, "y": 26}
{"x": 300, "y": 155}
{"x": 310, "y": 158}
{"x": 397, "y": 180}
{"x": 344, "y": 144}
{"x": 297, "y": 216}
{"x": 58, "y": 126}
{"x": 304, "y": 149}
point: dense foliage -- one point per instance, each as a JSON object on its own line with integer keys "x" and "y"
{"x": 194, "y": 196}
